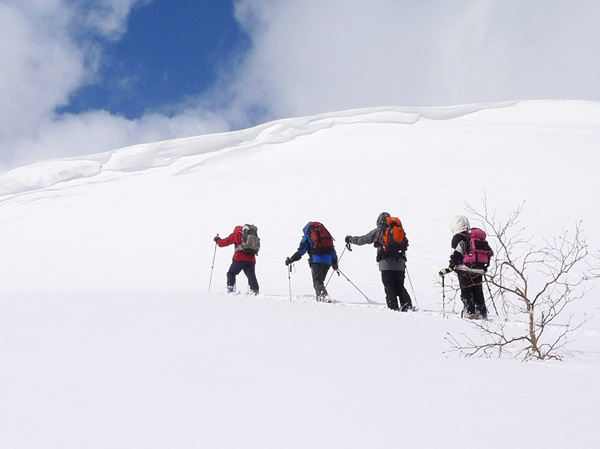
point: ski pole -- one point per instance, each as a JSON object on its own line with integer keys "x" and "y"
{"x": 212, "y": 267}
{"x": 290, "y": 280}
{"x": 443, "y": 298}
{"x": 411, "y": 286}
{"x": 368, "y": 300}
{"x": 443, "y": 272}
{"x": 339, "y": 260}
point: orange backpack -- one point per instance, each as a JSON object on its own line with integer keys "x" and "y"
{"x": 393, "y": 237}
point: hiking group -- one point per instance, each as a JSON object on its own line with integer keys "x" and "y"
{"x": 470, "y": 258}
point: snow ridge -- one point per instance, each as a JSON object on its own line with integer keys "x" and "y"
{"x": 160, "y": 154}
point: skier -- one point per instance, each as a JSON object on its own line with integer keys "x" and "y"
{"x": 317, "y": 241}
{"x": 392, "y": 265}
{"x": 244, "y": 258}
{"x": 470, "y": 274}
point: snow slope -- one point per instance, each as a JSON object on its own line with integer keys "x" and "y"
{"x": 110, "y": 338}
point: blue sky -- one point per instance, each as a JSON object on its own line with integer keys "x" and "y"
{"x": 172, "y": 50}
{"x": 86, "y": 76}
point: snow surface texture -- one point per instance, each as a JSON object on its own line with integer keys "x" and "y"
{"x": 109, "y": 338}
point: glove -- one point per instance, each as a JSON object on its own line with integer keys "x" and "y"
{"x": 348, "y": 241}
{"x": 216, "y": 237}
{"x": 295, "y": 257}
{"x": 334, "y": 266}
{"x": 444, "y": 271}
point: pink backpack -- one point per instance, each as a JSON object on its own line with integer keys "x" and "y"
{"x": 479, "y": 249}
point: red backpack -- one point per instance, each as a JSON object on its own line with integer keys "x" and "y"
{"x": 322, "y": 241}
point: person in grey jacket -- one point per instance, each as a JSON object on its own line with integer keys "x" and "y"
{"x": 391, "y": 266}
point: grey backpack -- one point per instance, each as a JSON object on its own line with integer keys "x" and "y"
{"x": 250, "y": 240}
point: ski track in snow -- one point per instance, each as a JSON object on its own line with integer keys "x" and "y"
{"x": 375, "y": 307}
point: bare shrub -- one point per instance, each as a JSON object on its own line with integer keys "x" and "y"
{"x": 534, "y": 283}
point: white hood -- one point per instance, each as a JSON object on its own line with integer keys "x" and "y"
{"x": 459, "y": 224}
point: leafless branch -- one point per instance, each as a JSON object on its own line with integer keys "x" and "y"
{"x": 537, "y": 282}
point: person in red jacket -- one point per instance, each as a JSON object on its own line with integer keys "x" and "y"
{"x": 241, "y": 261}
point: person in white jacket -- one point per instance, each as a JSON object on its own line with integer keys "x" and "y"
{"x": 470, "y": 275}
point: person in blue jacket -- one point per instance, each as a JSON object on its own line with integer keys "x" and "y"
{"x": 317, "y": 241}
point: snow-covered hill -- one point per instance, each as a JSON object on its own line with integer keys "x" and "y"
{"x": 110, "y": 338}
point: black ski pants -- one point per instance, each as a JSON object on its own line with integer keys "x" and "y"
{"x": 319, "y": 273}
{"x": 250, "y": 272}
{"x": 471, "y": 293}
{"x": 393, "y": 284}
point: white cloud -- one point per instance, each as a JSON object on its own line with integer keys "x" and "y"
{"x": 40, "y": 65}
{"x": 99, "y": 131}
{"x": 315, "y": 55}
{"x": 49, "y": 48}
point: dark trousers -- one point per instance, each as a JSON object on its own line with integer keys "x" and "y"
{"x": 319, "y": 272}
{"x": 249, "y": 271}
{"x": 393, "y": 284}
{"x": 471, "y": 293}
